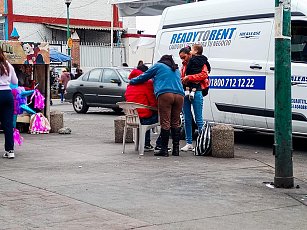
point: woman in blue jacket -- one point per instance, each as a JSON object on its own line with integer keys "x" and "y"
{"x": 169, "y": 92}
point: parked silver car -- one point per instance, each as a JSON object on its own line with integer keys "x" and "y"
{"x": 100, "y": 87}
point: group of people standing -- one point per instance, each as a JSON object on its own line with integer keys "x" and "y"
{"x": 173, "y": 92}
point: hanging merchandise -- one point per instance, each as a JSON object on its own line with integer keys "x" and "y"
{"x": 39, "y": 124}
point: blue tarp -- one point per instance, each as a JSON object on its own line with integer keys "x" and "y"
{"x": 56, "y": 56}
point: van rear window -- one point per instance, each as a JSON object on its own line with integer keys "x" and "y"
{"x": 299, "y": 41}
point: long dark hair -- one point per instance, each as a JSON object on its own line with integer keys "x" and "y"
{"x": 185, "y": 50}
{"x": 169, "y": 61}
{"x": 4, "y": 67}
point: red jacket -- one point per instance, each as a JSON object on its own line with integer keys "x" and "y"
{"x": 143, "y": 94}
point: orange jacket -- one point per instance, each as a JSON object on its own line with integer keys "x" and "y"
{"x": 201, "y": 77}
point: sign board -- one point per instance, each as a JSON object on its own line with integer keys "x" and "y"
{"x": 26, "y": 52}
{"x": 2, "y": 7}
{"x": 69, "y": 43}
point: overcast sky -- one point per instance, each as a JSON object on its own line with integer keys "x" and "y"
{"x": 149, "y": 24}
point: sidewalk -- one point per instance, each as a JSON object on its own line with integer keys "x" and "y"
{"x": 82, "y": 181}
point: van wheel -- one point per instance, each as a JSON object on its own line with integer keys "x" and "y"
{"x": 79, "y": 104}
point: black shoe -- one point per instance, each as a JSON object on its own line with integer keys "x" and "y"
{"x": 164, "y": 143}
{"x": 158, "y": 148}
{"x": 148, "y": 148}
{"x": 176, "y": 139}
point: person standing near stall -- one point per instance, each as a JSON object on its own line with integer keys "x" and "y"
{"x": 7, "y": 77}
{"x": 65, "y": 78}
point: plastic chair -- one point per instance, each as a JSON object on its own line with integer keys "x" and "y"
{"x": 133, "y": 121}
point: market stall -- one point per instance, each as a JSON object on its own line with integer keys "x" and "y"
{"x": 31, "y": 63}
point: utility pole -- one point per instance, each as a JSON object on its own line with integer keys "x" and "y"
{"x": 283, "y": 114}
{"x": 69, "y": 41}
{"x": 112, "y": 34}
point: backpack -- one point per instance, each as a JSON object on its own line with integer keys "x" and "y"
{"x": 203, "y": 141}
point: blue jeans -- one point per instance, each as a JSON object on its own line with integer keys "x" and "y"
{"x": 197, "y": 104}
{"x": 149, "y": 121}
{"x": 6, "y": 117}
{"x": 62, "y": 96}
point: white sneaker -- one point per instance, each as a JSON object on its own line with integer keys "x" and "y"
{"x": 187, "y": 147}
{"x": 10, "y": 155}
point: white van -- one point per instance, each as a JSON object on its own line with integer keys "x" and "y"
{"x": 238, "y": 39}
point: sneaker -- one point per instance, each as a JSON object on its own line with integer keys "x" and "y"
{"x": 187, "y": 147}
{"x": 10, "y": 155}
{"x": 158, "y": 148}
{"x": 191, "y": 96}
{"x": 148, "y": 148}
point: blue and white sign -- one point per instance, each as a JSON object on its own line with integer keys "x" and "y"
{"x": 207, "y": 38}
{"x": 238, "y": 82}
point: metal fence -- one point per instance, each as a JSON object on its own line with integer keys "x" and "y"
{"x": 95, "y": 54}
{"x": 99, "y": 54}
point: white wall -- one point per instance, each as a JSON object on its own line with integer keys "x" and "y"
{"x": 81, "y": 9}
{"x": 32, "y": 32}
{"x": 142, "y": 53}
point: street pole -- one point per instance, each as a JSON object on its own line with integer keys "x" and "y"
{"x": 112, "y": 35}
{"x": 283, "y": 114}
{"x": 68, "y": 2}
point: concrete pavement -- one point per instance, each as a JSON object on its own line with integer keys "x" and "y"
{"x": 82, "y": 181}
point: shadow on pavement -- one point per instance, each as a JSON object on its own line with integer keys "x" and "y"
{"x": 266, "y": 140}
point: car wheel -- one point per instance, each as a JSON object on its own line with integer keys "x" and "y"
{"x": 79, "y": 104}
{"x": 118, "y": 110}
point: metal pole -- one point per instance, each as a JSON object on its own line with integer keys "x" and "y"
{"x": 112, "y": 35}
{"x": 283, "y": 114}
{"x": 68, "y": 36}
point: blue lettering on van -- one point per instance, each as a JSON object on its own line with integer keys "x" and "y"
{"x": 296, "y": 79}
{"x": 251, "y": 35}
{"x": 212, "y": 35}
{"x": 238, "y": 82}
{"x": 174, "y": 37}
{"x": 299, "y": 103}
{"x": 195, "y": 36}
{"x": 203, "y": 35}
{"x": 189, "y": 37}
{"x": 178, "y": 40}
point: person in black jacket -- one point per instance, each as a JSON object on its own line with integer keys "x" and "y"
{"x": 195, "y": 66}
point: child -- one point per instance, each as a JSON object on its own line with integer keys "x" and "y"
{"x": 195, "y": 66}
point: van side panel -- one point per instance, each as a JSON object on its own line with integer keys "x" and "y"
{"x": 238, "y": 80}
{"x": 238, "y": 38}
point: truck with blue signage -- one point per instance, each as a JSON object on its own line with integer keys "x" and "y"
{"x": 238, "y": 39}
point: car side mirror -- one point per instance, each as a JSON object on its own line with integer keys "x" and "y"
{"x": 116, "y": 81}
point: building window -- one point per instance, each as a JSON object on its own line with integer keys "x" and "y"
{"x": 2, "y": 36}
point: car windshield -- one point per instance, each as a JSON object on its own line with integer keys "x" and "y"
{"x": 299, "y": 41}
{"x": 124, "y": 73}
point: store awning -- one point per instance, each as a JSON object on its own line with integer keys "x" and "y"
{"x": 144, "y": 7}
{"x": 56, "y": 56}
{"x": 79, "y": 27}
